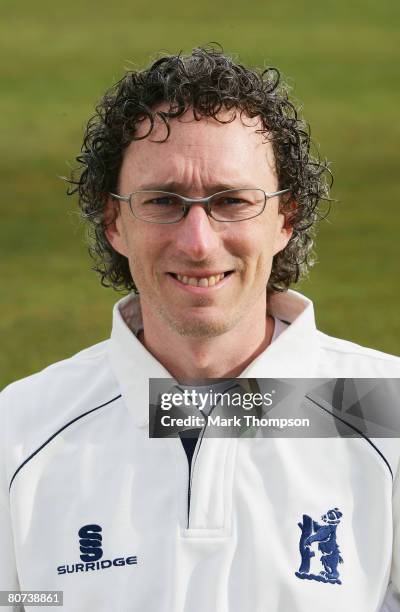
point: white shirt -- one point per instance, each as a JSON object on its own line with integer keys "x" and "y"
{"x": 75, "y": 449}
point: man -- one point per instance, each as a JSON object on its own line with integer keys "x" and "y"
{"x": 201, "y": 193}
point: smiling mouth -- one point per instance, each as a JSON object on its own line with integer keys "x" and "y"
{"x": 201, "y": 281}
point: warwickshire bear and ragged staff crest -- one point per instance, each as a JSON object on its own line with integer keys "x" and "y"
{"x": 325, "y": 535}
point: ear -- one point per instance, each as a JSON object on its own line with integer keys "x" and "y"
{"x": 285, "y": 226}
{"x": 113, "y": 226}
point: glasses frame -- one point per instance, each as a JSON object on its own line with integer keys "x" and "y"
{"x": 189, "y": 202}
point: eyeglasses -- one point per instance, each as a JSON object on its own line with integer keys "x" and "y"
{"x": 226, "y": 206}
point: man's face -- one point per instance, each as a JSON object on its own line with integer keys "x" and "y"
{"x": 198, "y": 159}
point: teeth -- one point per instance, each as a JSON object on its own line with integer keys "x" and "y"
{"x": 206, "y": 281}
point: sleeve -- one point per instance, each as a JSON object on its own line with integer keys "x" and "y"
{"x": 392, "y": 599}
{"x": 8, "y": 568}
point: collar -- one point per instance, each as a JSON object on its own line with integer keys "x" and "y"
{"x": 292, "y": 355}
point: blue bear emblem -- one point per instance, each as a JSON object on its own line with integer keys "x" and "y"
{"x": 325, "y": 535}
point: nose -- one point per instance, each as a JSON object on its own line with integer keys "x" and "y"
{"x": 196, "y": 235}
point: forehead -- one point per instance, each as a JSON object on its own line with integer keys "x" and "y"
{"x": 200, "y": 151}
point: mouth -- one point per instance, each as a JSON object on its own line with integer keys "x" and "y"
{"x": 209, "y": 280}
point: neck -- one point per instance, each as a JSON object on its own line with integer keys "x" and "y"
{"x": 223, "y": 356}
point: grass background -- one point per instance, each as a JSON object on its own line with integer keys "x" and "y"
{"x": 57, "y": 59}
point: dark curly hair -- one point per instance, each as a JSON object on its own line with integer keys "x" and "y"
{"x": 206, "y": 81}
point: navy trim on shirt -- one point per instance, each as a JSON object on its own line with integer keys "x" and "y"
{"x": 56, "y": 434}
{"x": 354, "y": 429}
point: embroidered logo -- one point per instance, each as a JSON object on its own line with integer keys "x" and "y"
{"x": 91, "y": 548}
{"x": 325, "y": 535}
{"x": 90, "y": 543}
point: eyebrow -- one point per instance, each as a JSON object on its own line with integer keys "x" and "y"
{"x": 175, "y": 187}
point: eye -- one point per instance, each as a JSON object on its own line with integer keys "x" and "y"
{"x": 233, "y": 201}
{"x": 230, "y": 201}
{"x": 161, "y": 201}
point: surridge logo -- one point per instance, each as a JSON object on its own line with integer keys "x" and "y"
{"x": 90, "y": 546}
{"x": 90, "y": 543}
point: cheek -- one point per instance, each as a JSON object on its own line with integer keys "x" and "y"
{"x": 134, "y": 253}
{"x": 258, "y": 246}
{"x": 144, "y": 253}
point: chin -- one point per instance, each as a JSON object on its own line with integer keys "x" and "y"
{"x": 201, "y": 330}
{"x": 197, "y": 327}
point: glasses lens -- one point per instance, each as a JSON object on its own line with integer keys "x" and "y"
{"x": 238, "y": 204}
{"x": 157, "y": 206}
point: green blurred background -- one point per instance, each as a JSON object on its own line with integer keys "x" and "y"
{"x": 57, "y": 58}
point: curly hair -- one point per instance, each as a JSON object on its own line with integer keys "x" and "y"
{"x": 206, "y": 81}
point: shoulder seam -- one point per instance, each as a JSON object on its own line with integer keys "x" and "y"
{"x": 77, "y": 356}
{"x": 361, "y": 353}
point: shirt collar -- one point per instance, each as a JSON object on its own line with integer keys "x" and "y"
{"x": 293, "y": 354}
